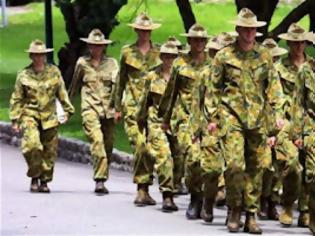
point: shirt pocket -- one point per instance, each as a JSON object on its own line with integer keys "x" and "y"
{"x": 233, "y": 74}
{"x": 106, "y": 79}
{"x": 51, "y": 86}
{"x": 30, "y": 89}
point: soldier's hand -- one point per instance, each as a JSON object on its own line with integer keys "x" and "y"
{"x": 117, "y": 116}
{"x": 16, "y": 128}
{"x": 194, "y": 139}
{"x": 212, "y": 127}
{"x": 63, "y": 119}
{"x": 271, "y": 141}
{"x": 299, "y": 143}
{"x": 279, "y": 123}
{"x": 165, "y": 127}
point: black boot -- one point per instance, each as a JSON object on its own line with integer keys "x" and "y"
{"x": 100, "y": 188}
{"x": 194, "y": 208}
{"x": 34, "y": 185}
{"x": 251, "y": 225}
{"x": 263, "y": 213}
{"x": 168, "y": 204}
{"x": 234, "y": 218}
{"x": 272, "y": 210}
{"x": 43, "y": 188}
{"x": 207, "y": 210}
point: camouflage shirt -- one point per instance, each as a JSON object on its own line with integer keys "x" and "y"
{"x": 35, "y": 95}
{"x": 243, "y": 83}
{"x": 187, "y": 77}
{"x": 288, "y": 74}
{"x": 133, "y": 68}
{"x": 97, "y": 85}
{"x": 303, "y": 107}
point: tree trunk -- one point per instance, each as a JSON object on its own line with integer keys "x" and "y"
{"x": 307, "y": 7}
{"x": 186, "y": 13}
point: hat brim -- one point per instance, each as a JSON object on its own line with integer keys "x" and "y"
{"x": 40, "y": 52}
{"x": 257, "y": 24}
{"x": 311, "y": 37}
{"x": 142, "y": 27}
{"x": 287, "y": 37}
{"x": 195, "y": 36}
{"x": 103, "y": 42}
{"x": 235, "y": 34}
{"x": 214, "y": 46}
{"x": 278, "y": 52}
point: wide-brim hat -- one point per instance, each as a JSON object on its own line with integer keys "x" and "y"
{"x": 96, "y": 37}
{"x": 222, "y": 40}
{"x": 294, "y": 33}
{"x": 39, "y": 47}
{"x": 144, "y": 22}
{"x": 196, "y": 31}
{"x": 169, "y": 48}
{"x": 273, "y": 47}
{"x": 246, "y": 18}
{"x": 173, "y": 40}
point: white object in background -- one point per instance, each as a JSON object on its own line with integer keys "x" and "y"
{"x": 4, "y": 14}
{"x": 61, "y": 116}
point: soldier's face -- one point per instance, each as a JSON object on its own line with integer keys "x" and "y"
{"x": 38, "y": 59}
{"x": 246, "y": 34}
{"x": 197, "y": 44}
{"x": 144, "y": 35}
{"x": 96, "y": 49}
{"x": 168, "y": 58}
{"x": 296, "y": 47}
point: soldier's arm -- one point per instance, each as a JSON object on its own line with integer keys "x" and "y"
{"x": 63, "y": 97}
{"x": 76, "y": 82}
{"x": 142, "y": 112}
{"x": 169, "y": 98}
{"x": 121, "y": 83}
{"x": 16, "y": 102}
{"x": 115, "y": 76}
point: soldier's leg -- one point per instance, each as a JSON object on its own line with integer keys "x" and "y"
{"x": 49, "y": 139}
{"x": 108, "y": 129}
{"x": 92, "y": 129}
{"x": 234, "y": 176}
{"x": 257, "y": 160}
{"x": 290, "y": 174}
{"x": 130, "y": 125}
{"x": 31, "y": 146}
{"x": 212, "y": 163}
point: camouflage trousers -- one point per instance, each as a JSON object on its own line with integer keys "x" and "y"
{"x": 100, "y": 132}
{"x": 288, "y": 167}
{"x": 153, "y": 153}
{"x": 245, "y": 160}
{"x": 202, "y": 167}
{"x": 309, "y": 143}
{"x": 178, "y": 159}
{"x": 39, "y": 148}
{"x": 130, "y": 125}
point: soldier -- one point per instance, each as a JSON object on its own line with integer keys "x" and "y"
{"x": 243, "y": 86}
{"x": 33, "y": 112}
{"x": 136, "y": 60}
{"x": 214, "y": 45}
{"x": 187, "y": 75}
{"x": 95, "y": 75}
{"x": 157, "y": 144}
{"x": 271, "y": 180}
{"x": 287, "y": 153}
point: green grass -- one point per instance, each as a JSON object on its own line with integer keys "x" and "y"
{"x": 22, "y": 28}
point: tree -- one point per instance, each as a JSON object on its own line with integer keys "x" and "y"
{"x": 81, "y": 16}
{"x": 186, "y": 13}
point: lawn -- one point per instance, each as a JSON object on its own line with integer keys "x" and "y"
{"x": 22, "y": 28}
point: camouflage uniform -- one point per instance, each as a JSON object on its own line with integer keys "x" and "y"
{"x": 244, "y": 86}
{"x": 157, "y": 145}
{"x": 287, "y": 154}
{"x": 303, "y": 126}
{"x": 33, "y": 107}
{"x": 133, "y": 69}
{"x": 179, "y": 96}
{"x": 97, "y": 108}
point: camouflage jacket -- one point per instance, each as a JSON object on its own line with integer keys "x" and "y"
{"x": 155, "y": 86}
{"x": 35, "y": 95}
{"x": 245, "y": 84}
{"x": 303, "y": 107}
{"x": 97, "y": 85}
{"x": 180, "y": 92}
{"x": 288, "y": 75}
{"x": 133, "y": 68}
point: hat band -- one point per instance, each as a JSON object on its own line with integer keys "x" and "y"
{"x": 249, "y": 21}
{"x": 296, "y": 35}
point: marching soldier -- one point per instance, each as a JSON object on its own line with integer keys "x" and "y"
{"x": 95, "y": 75}
{"x": 136, "y": 60}
{"x": 187, "y": 75}
{"x": 33, "y": 112}
{"x": 157, "y": 145}
{"x": 243, "y": 85}
{"x": 287, "y": 153}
